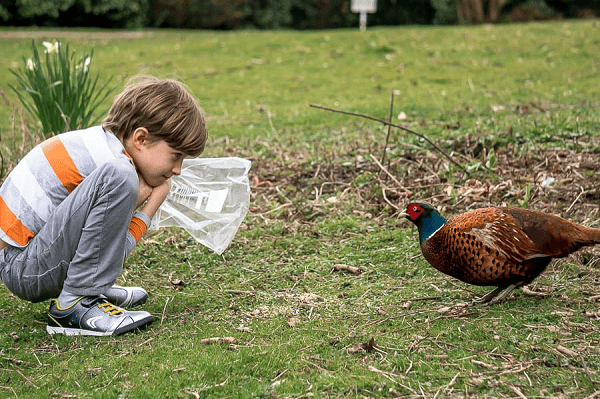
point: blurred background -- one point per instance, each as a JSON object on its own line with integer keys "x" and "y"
{"x": 281, "y": 14}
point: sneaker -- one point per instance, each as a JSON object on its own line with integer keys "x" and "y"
{"x": 126, "y": 297}
{"x": 94, "y": 315}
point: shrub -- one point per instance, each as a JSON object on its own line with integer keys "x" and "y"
{"x": 99, "y": 13}
{"x": 59, "y": 90}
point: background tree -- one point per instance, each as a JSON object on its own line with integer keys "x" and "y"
{"x": 281, "y": 14}
{"x": 479, "y": 11}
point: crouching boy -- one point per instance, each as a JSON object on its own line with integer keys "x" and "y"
{"x": 76, "y": 205}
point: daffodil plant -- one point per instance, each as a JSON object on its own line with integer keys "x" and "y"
{"x": 58, "y": 89}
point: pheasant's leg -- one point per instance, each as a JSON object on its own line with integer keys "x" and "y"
{"x": 504, "y": 294}
{"x": 489, "y": 296}
{"x": 528, "y": 292}
{"x": 499, "y": 294}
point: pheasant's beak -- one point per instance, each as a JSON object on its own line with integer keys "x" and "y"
{"x": 403, "y": 214}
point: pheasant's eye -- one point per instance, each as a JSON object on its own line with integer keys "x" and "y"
{"x": 415, "y": 208}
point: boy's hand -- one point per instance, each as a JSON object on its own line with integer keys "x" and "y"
{"x": 144, "y": 191}
{"x": 159, "y": 193}
{"x": 153, "y": 197}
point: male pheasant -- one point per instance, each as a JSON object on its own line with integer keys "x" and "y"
{"x": 502, "y": 247}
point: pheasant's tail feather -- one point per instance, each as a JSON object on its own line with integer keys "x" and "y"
{"x": 553, "y": 235}
{"x": 590, "y": 237}
{"x": 594, "y": 235}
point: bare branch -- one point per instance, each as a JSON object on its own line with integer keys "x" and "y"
{"x": 397, "y": 127}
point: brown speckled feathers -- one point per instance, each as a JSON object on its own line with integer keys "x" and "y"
{"x": 498, "y": 246}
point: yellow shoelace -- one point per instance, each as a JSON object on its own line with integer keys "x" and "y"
{"x": 114, "y": 310}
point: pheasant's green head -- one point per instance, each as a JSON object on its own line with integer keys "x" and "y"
{"x": 427, "y": 219}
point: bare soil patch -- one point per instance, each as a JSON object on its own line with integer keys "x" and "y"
{"x": 562, "y": 181}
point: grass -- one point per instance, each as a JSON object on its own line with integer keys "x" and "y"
{"x": 298, "y": 328}
{"x": 242, "y": 77}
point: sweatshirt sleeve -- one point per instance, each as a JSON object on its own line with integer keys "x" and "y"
{"x": 137, "y": 227}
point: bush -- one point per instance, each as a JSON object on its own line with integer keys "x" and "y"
{"x": 97, "y": 13}
{"x": 272, "y": 14}
{"x": 445, "y": 12}
{"x": 58, "y": 90}
{"x": 204, "y": 14}
{"x": 263, "y": 14}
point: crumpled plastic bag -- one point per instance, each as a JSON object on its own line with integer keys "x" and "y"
{"x": 209, "y": 199}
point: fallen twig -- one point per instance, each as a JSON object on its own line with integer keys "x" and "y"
{"x": 426, "y": 298}
{"x": 388, "y": 201}
{"x": 437, "y": 148}
{"x": 191, "y": 393}
{"x": 197, "y": 395}
{"x": 351, "y": 269}
{"x": 214, "y": 340}
{"x": 317, "y": 366}
{"x": 593, "y": 298}
{"x": 452, "y": 381}
{"x": 576, "y": 199}
{"x": 384, "y": 373}
{"x": 27, "y": 379}
{"x": 566, "y": 351}
{"x": 587, "y": 371}
{"x": 517, "y": 391}
{"x": 385, "y": 170}
{"x": 594, "y": 395}
{"x": 387, "y": 137}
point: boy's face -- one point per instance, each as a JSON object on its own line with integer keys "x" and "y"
{"x": 157, "y": 162}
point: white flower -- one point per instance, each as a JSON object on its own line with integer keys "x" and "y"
{"x": 51, "y": 48}
{"x": 30, "y": 64}
{"x": 86, "y": 63}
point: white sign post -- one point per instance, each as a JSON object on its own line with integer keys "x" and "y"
{"x": 363, "y": 7}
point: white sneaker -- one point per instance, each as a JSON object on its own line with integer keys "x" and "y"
{"x": 126, "y": 297}
{"x": 94, "y": 315}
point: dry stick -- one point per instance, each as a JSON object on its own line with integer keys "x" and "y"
{"x": 164, "y": 311}
{"x": 351, "y": 269}
{"x": 517, "y": 391}
{"x": 387, "y": 138}
{"x": 385, "y": 170}
{"x": 393, "y": 125}
{"x": 191, "y": 393}
{"x": 594, "y": 395}
{"x": 27, "y": 379}
{"x": 387, "y": 200}
{"x": 576, "y": 199}
{"x": 587, "y": 371}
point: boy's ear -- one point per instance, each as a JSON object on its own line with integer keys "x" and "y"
{"x": 140, "y": 136}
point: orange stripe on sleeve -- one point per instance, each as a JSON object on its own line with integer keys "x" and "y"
{"x": 137, "y": 228}
{"x": 61, "y": 162}
{"x": 13, "y": 226}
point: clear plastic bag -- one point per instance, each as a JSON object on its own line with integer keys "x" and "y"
{"x": 209, "y": 199}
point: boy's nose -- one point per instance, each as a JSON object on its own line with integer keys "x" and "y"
{"x": 177, "y": 168}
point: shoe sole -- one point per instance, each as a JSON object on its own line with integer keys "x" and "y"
{"x": 75, "y": 331}
{"x": 140, "y": 325}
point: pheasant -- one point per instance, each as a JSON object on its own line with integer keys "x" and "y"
{"x": 502, "y": 247}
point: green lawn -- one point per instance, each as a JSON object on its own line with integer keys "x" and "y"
{"x": 289, "y": 326}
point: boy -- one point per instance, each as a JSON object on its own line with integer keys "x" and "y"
{"x": 68, "y": 209}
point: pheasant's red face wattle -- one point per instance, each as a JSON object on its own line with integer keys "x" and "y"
{"x": 414, "y": 211}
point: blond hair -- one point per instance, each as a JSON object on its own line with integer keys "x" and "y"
{"x": 165, "y": 107}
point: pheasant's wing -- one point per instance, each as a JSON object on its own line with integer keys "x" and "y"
{"x": 499, "y": 232}
{"x": 483, "y": 247}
